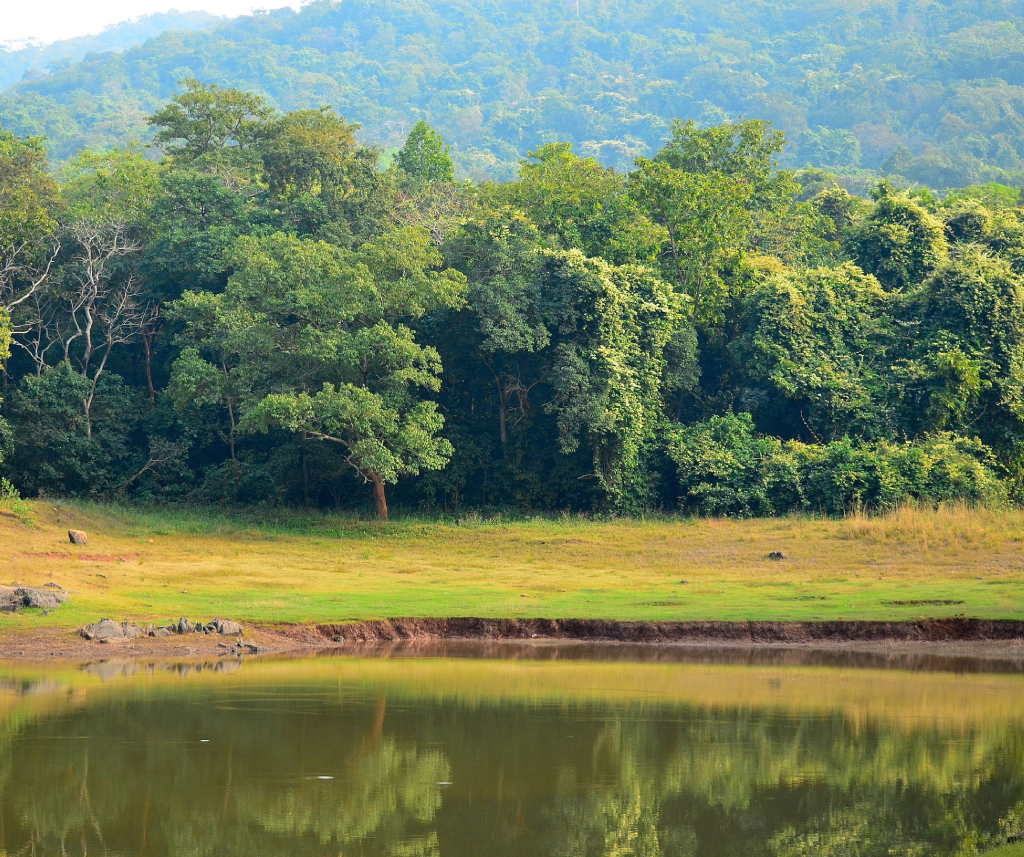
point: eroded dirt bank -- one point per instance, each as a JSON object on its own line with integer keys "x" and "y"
{"x": 925, "y": 630}
{"x": 1001, "y": 639}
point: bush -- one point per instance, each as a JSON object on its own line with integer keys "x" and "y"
{"x": 725, "y": 468}
{"x": 53, "y": 453}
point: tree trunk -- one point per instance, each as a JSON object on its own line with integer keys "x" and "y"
{"x": 378, "y": 496}
{"x": 502, "y": 414}
{"x": 149, "y": 368}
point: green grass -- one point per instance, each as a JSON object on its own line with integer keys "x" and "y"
{"x": 154, "y": 565}
{"x": 1016, "y": 850}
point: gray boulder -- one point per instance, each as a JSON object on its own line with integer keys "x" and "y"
{"x": 227, "y": 626}
{"x": 131, "y": 630}
{"x": 105, "y": 629}
{"x": 77, "y": 537}
{"x": 184, "y": 626}
{"x": 13, "y": 598}
{"x": 45, "y": 599}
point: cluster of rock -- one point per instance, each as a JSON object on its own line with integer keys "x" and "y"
{"x": 47, "y": 597}
{"x": 108, "y": 629}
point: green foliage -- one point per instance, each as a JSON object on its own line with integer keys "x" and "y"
{"x": 499, "y": 78}
{"x": 425, "y": 156}
{"x": 56, "y": 452}
{"x": 307, "y": 337}
{"x": 823, "y": 340}
{"x": 269, "y": 309}
{"x": 899, "y": 242}
{"x": 612, "y": 324}
{"x": 29, "y": 204}
{"x": 207, "y": 119}
{"x": 726, "y": 468}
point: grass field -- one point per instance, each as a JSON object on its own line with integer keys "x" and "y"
{"x": 289, "y": 567}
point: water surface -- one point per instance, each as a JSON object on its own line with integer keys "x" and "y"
{"x": 594, "y": 753}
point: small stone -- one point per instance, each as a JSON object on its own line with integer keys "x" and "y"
{"x": 52, "y": 585}
{"x": 184, "y": 626}
{"x": 684, "y": 582}
{"x": 150, "y": 630}
{"x": 131, "y": 630}
{"x": 776, "y": 555}
{"x": 198, "y": 627}
{"x": 78, "y": 537}
{"x": 163, "y": 632}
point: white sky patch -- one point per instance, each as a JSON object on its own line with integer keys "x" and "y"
{"x": 51, "y": 20}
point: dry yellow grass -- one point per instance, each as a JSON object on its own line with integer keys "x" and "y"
{"x": 156, "y": 566}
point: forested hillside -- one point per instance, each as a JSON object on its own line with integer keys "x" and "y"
{"x": 924, "y": 91}
{"x": 38, "y": 58}
{"x": 267, "y": 316}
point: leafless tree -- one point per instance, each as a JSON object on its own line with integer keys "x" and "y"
{"x": 439, "y": 208}
{"x": 20, "y": 277}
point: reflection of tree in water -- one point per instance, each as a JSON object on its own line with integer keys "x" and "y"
{"x": 155, "y": 789}
{"x": 738, "y": 782}
{"x": 574, "y": 781}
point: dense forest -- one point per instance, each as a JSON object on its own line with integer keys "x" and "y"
{"x": 920, "y": 91}
{"x": 35, "y": 58}
{"x": 271, "y": 313}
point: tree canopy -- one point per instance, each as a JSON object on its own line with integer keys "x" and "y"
{"x": 268, "y": 312}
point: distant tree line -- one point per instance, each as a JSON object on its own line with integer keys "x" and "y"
{"x": 267, "y": 315}
{"x": 918, "y": 91}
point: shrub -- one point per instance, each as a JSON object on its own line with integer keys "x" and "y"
{"x": 725, "y": 468}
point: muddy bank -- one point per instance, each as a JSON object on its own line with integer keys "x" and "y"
{"x": 903, "y": 644}
{"x": 607, "y": 630}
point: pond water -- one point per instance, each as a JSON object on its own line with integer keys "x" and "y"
{"x": 546, "y": 752}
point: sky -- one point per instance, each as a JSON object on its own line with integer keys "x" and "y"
{"x": 50, "y": 20}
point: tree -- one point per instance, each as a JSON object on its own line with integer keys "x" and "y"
{"x": 711, "y": 189}
{"x": 29, "y": 206}
{"x": 499, "y": 254}
{"x": 823, "y": 339}
{"x": 321, "y": 181}
{"x": 207, "y": 119}
{"x": 899, "y": 241}
{"x": 580, "y": 204}
{"x": 611, "y": 325}
{"x": 425, "y": 156}
{"x": 311, "y": 338}
{"x": 964, "y": 367}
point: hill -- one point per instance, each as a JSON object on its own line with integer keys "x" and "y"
{"x": 38, "y": 58}
{"x": 929, "y": 91}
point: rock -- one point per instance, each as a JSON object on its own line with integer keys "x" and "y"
{"x": 10, "y": 600}
{"x": 78, "y": 537}
{"x": 43, "y": 598}
{"x": 776, "y": 555}
{"x": 103, "y": 630}
{"x": 184, "y": 626}
{"x": 131, "y": 630}
{"x": 247, "y": 648}
{"x": 150, "y": 630}
{"x": 226, "y": 626}
{"x": 163, "y": 632}
{"x": 52, "y": 585}
{"x": 198, "y": 628}
{"x": 1014, "y": 838}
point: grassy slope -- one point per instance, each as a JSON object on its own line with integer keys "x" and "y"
{"x": 307, "y": 568}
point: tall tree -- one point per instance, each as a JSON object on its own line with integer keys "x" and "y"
{"x": 425, "y": 156}
{"x": 313, "y": 339}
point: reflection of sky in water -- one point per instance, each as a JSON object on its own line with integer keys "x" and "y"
{"x": 462, "y": 756}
